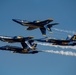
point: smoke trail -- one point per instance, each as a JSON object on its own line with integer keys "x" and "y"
{"x": 66, "y": 31}
{"x": 28, "y": 44}
{"x": 57, "y": 46}
{"x": 67, "y": 53}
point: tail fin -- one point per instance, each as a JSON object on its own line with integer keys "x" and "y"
{"x": 68, "y": 37}
{"x": 50, "y": 25}
{"x": 73, "y": 38}
{"x": 34, "y": 46}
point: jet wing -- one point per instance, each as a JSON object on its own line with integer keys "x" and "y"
{"x": 31, "y": 28}
{"x": 43, "y": 30}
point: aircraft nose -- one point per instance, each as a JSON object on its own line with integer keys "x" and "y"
{"x": 17, "y": 21}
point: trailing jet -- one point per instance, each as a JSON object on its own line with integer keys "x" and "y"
{"x": 69, "y": 41}
{"x": 25, "y": 41}
{"x": 19, "y": 49}
{"x": 37, "y": 24}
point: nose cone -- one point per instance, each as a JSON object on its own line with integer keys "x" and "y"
{"x": 18, "y": 21}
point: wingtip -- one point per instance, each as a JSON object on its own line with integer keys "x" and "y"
{"x": 57, "y": 23}
{"x": 13, "y": 19}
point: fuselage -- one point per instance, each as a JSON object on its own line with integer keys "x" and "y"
{"x": 37, "y": 24}
{"x": 33, "y": 25}
{"x": 62, "y": 42}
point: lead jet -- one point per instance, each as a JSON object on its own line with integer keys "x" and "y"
{"x": 25, "y": 41}
{"x": 69, "y": 41}
{"x": 20, "y": 50}
{"x": 37, "y": 24}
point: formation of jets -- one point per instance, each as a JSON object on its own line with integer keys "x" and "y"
{"x": 28, "y": 44}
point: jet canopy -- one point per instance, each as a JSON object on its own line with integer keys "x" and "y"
{"x": 17, "y": 37}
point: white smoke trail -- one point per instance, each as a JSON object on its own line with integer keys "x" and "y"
{"x": 28, "y": 44}
{"x": 66, "y": 31}
{"x": 67, "y": 53}
{"x": 57, "y": 46}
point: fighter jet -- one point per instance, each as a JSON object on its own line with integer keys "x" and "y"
{"x": 25, "y": 41}
{"x": 37, "y": 24}
{"x": 20, "y": 50}
{"x": 69, "y": 41}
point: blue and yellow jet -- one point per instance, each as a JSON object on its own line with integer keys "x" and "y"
{"x": 69, "y": 41}
{"x": 42, "y": 25}
{"x": 20, "y": 50}
{"x": 28, "y": 46}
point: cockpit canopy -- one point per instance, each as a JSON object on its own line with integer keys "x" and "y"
{"x": 17, "y": 37}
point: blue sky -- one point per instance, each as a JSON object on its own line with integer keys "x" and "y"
{"x": 61, "y": 11}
